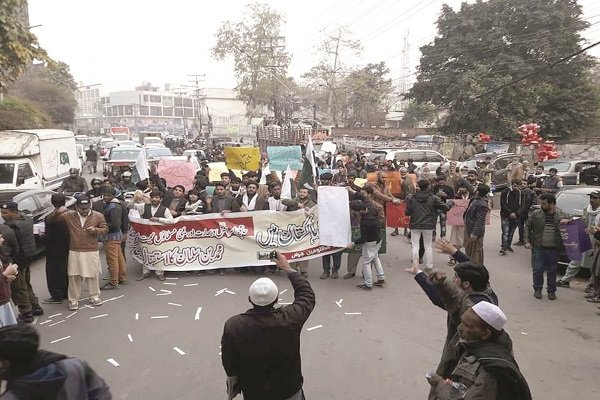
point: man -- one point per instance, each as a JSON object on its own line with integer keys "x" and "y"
{"x": 370, "y": 239}
{"x": 91, "y": 159}
{"x": 335, "y": 258}
{"x": 22, "y": 292}
{"x": 590, "y": 215}
{"x": 249, "y": 201}
{"x": 407, "y": 188}
{"x": 84, "y": 227}
{"x": 475, "y": 217}
{"x": 411, "y": 167}
{"x": 515, "y": 171}
{"x": 536, "y": 180}
{"x": 486, "y": 368}
{"x": 303, "y": 199}
{"x": 226, "y": 179}
{"x": 96, "y": 191}
{"x": 529, "y": 200}
{"x": 32, "y": 373}
{"x": 73, "y": 183}
{"x": 423, "y": 208}
{"x": 473, "y": 178}
{"x": 113, "y": 213}
{"x": 235, "y": 189}
{"x": 381, "y": 193}
{"x": 220, "y": 202}
{"x": 275, "y": 201}
{"x": 542, "y": 236}
{"x": 261, "y": 347}
{"x": 155, "y": 211}
{"x": 553, "y": 183}
{"x": 177, "y": 202}
{"x": 125, "y": 184}
{"x": 511, "y": 210}
{"x": 57, "y": 254}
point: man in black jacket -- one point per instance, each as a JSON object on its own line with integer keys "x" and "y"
{"x": 22, "y": 292}
{"x": 370, "y": 239}
{"x": 32, "y": 373}
{"x": 261, "y": 347}
{"x": 475, "y": 218}
{"x": 423, "y": 209}
{"x": 57, "y": 254}
{"x": 511, "y": 210}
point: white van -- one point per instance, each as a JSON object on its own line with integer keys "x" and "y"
{"x": 36, "y": 159}
{"x": 420, "y": 157}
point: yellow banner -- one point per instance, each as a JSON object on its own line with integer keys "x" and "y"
{"x": 244, "y": 158}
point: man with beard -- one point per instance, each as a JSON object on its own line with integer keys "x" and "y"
{"x": 57, "y": 254}
{"x": 536, "y": 180}
{"x": 156, "y": 212}
{"x": 542, "y": 236}
{"x": 113, "y": 213}
{"x": 220, "y": 202}
{"x": 84, "y": 227}
{"x": 73, "y": 183}
{"x": 249, "y": 201}
{"x": 553, "y": 183}
{"x": 96, "y": 191}
{"x": 275, "y": 202}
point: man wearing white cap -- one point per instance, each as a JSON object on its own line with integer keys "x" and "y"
{"x": 486, "y": 368}
{"x": 261, "y": 347}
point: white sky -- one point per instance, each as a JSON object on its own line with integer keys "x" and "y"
{"x": 121, "y": 43}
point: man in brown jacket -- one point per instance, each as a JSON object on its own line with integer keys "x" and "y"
{"x": 84, "y": 227}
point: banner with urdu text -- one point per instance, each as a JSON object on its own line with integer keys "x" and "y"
{"x": 226, "y": 241}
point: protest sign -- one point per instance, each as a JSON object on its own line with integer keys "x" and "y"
{"x": 328, "y": 147}
{"x": 334, "y": 216}
{"x": 217, "y": 168}
{"x": 456, "y": 212}
{"x": 282, "y": 156}
{"x": 177, "y": 172}
{"x": 574, "y": 238}
{"x": 243, "y": 158}
{"x": 395, "y": 215}
{"x": 226, "y": 241}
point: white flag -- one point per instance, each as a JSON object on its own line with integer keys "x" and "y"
{"x": 142, "y": 165}
{"x": 310, "y": 155}
{"x": 286, "y": 188}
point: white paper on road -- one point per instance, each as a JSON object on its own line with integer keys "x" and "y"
{"x": 334, "y": 216}
{"x": 229, "y": 291}
{"x": 130, "y": 337}
{"x": 283, "y": 291}
{"x": 137, "y": 316}
{"x": 175, "y": 304}
{"x": 353, "y": 313}
{"x": 151, "y": 288}
{"x": 198, "y": 311}
{"x": 169, "y": 283}
{"x": 112, "y": 360}
{"x": 191, "y": 284}
{"x": 99, "y": 316}
{"x": 314, "y": 327}
{"x": 181, "y": 352}
{"x": 159, "y": 317}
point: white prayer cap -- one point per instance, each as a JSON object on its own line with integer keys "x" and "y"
{"x": 491, "y": 314}
{"x": 263, "y": 292}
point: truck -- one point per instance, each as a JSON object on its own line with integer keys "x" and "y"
{"x": 150, "y": 137}
{"x": 120, "y": 133}
{"x": 36, "y": 159}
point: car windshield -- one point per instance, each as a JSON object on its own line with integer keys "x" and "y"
{"x": 572, "y": 203}
{"x": 560, "y": 166}
{"x": 117, "y": 154}
{"x": 7, "y": 172}
{"x": 158, "y": 152}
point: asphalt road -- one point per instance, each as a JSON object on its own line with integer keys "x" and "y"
{"x": 383, "y": 353}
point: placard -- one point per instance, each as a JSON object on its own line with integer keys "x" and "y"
{"x": 282, "y": 156}
{"x": 243, "y": 158}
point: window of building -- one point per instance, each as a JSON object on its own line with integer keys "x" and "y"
{"x": 177, "y": 101}
{"x": 188, "y": 103}
{"x": 178, "y": 112}
{"x": 128, "y": 110}
{"x": 168, "y": 111}
{"x": 156, "y": 111}
{"x": 144, "y": 110}
{"x": 188, "y": 112}
{"x": 146, "y": 98}
{"x": 167, "y": 101}
{"x": 155, "y": 99}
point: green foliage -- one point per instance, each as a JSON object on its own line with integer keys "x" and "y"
{"x": 260, "y": 59}
{"x": 488, "y": 44}
{"x": 416, "y": 114}
{"x": 18, "y": 46}
{"x": 367, "y": 90}
{"x": 20, "y": 114}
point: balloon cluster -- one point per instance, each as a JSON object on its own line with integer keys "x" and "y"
{"x": 530, "y": 135}
{"x": 484, "y": 138}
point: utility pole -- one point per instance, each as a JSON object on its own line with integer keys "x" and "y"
{"x": 405, "y": 71}
{"x": 331, "y": 103}
{"x": 275, "y": 60}
{"x": 196, "y": 79}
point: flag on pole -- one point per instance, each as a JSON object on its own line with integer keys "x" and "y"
{"x": 142, "y": 165}
{"x": 310, "y": 156}
{"x": 286, "y": 188}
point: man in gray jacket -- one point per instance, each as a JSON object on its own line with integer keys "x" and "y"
{"x": 475, "y": 217}
{"x": 423, "y": 209}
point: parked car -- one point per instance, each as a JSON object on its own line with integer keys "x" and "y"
{"x": 499, "y": 163}
{"x": 575, "y": 172}
{"x": 104, "y": 146}
{"x": 35, "y": 203}
{"x": 155, "y": 153}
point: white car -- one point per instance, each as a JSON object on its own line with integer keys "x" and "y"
{"x": 420, "y": 157}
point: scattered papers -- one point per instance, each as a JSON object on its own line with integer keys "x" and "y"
{"x": 165, "y": 292}
{"x": 151, "y": 288}
{"x": 114, "y": 298}
{"x": 171, "y": 278}
{"x": 181, "y": 352}
{"x": 46, "y": 322}
{"x": 191, "y": 284}
{"x": 353, "y": 313}
{"x": 524, "y": 333}
{"x": 137, "y": 316}
{"x": 220, "y": 292}
{"x": 283, "y": 291}
{"x": 339, "y": 303}
{"x": 169, "y": 283}
{"x": 159, "y": 317}
{"x": 314, "y": 327}
{"x": 229, "y": 291}
{"x": 198, "y": 311}
{"x": 70, "y": 315}
{"x": 129, "y": 337}
{"x": 113, "y": 362}
{"x": 175, "y": 304}
{"x": 98, "y": 316}
{"x": 60, "y": 340}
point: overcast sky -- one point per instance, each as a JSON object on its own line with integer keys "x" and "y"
{"x": 121, "y": 43}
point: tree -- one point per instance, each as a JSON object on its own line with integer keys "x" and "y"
{"x": 18, "y": 46}
{"x": 416, "y": 114}
{"x": 20, "y": 114}
{"x": 367, "y": 89}
{"x": 481, "y": 49}
{"x": 50, "y": 89}
{"x": 328, "y": 75}
{"x": 259, "y": 55}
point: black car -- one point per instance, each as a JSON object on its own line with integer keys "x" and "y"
{"x": 35, "y": 203}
